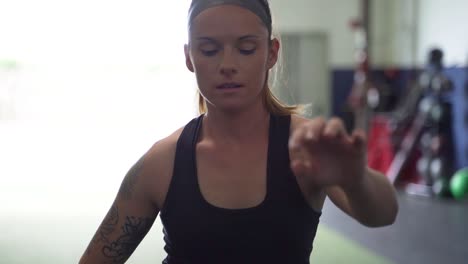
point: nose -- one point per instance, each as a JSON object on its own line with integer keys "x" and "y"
{"x": 228, "y": 64}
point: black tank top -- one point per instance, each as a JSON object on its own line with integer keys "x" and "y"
{"x": 279, "y": 230}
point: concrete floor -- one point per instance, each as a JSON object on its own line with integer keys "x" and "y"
{"x": 428, "y": 231}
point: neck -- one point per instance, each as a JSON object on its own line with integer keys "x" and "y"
{"x": 236, "y": 127}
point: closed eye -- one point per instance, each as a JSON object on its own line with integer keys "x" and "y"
{"x": 247, "y": 51}
{"x": 209, "y": 53}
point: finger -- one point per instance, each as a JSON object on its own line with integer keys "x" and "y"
{"x": 334, "y": 128}
{"x": 359, "y": 139}
{"x": 295, "y": 140}
{"x": 314, "y": 129}
{"x": 296, "y": 150}
{"x": 313, "y": 135}
{"x": 309, "y": 131}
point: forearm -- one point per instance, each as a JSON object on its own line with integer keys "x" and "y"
{"x": 373, "y": 201}
{"x": 117, "y": 237}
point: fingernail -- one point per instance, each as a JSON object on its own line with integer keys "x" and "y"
{"x": 310, "y": 135}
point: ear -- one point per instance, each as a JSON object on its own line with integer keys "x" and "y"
{"x": 273, "y": 53}
{"x": 188, "y": 60}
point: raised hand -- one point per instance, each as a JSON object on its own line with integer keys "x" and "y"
{"x": 327, "y": 155}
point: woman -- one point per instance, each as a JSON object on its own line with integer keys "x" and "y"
{"x": 244, "y": 182}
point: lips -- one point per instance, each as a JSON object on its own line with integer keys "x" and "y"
{"x": 229, "y": 85}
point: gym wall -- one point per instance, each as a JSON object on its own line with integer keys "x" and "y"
{"x": 443, "y": 24}
{"x": 402, "y": 32}
{"x": 415, "y": 27}
{"x": 405, "y": 30}
{"x": 322, "y": 16}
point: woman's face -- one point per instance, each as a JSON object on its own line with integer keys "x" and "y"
{"x": 230, "y": 53}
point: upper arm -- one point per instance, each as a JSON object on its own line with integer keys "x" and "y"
{"x": 134, "y": 209}
{"x": 128, "y": 220}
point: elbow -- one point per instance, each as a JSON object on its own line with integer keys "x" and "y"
{"x": 383, "y": 222}
{"x": 392, "y": 212}
{"x": 383, "y": 218}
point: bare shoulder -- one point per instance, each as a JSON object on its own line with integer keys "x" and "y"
{"x": 158, "y": 167}
{"x": 162, "y": 153}
{"x": 136, "y": 206}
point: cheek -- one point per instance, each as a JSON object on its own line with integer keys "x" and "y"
{"x": 204, "y": 71}
{"x": 203, "y": 65}
{"x": 257, "y": 69}
{"x": 259, "y": 61}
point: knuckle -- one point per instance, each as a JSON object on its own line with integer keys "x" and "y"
{"x": 336, "y": 121}
{"x": 320, "y": 120}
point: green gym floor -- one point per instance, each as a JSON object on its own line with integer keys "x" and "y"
{"x": 425, "y": 232}
{"x": 61, "y": 240}
{"x": 54, "y": 193}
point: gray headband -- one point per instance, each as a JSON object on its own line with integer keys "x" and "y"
{"x": 254, "y": 6}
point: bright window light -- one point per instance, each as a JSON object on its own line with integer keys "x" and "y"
{"x": 86, "y": 87}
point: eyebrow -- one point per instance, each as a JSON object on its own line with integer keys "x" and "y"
{"x": 241, "y": 38}
{"x": 206, "y": 38}
{"x": 249, "y": 37}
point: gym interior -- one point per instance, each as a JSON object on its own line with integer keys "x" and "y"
{"x": 85, "y": 88}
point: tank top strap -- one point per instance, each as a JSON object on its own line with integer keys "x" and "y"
{"x": 283, "y": 185}
{"x": 185, "y": 151}
{"x": 183, "y": 176}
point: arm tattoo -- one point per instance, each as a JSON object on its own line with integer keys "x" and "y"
{"x": 106, "y": 228}
{"x": 134, "y": 230}
{"x": 128, "y": 183}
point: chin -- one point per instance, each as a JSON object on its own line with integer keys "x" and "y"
{"x": 234, "y": 105}
{"x": 232, "y": 109}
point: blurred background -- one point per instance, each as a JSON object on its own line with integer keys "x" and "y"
{"x": 85, "y": 88}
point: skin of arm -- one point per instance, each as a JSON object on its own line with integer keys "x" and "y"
{"x": 325, "y": 156}
{"x": 372, "y": 202}
{"x": 127, "y": 222}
